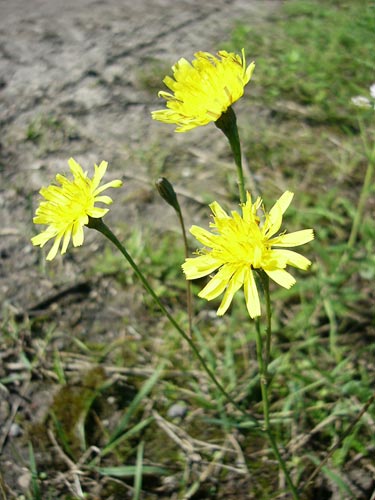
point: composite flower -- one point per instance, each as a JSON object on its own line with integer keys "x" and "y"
{"x": 68, "y": 205}
{"x": 203, "y": 89}
{"x": 238, "y": 245}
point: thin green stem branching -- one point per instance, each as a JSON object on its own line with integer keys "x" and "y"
{"x": 100, "y": 226}
{"x": 189, "y": 294}
{"x": 266, "y": 286}
{"x": 365, "y": 191}
{"x": 263, "y": 356}
{"x": 168, "y": 194}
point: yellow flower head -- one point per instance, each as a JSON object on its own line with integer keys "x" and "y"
{"x": 68, "y": 207}
{"x": 204, "y": 89}
{"x": 240, "y": 244}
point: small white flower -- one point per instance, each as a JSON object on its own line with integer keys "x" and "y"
{"x": 361, "y": 101}
{"x": 372, "y": 90}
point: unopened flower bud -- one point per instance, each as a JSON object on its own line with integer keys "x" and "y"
{"x": 167, "y": 192}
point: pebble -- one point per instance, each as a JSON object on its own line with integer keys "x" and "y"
{"x": 15, "y": 430}
{"x": 178, "y": 410}
{"x": 24, "y": 480}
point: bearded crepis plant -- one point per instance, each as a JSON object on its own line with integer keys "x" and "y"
{"x": 238, "y": 246}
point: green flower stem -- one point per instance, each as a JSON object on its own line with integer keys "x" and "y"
{"x": 361, "y": 204}
{"x": 370, "y": 153}
{"x": 189, "y": 295}
{"x": 263, "y": 362}
{"x": 228, "y": 124}
{"x": 100, "y": 226}
{"x": 266, "y": 286}
{"x": 168, "y": 194}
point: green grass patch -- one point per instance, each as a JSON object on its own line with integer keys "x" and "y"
{"x": 318, "y": 54}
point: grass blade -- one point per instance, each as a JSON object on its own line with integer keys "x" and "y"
{"x": 34, "y": 474}
{"x": 138, "y": 472}
{"x": 131, "y": 470}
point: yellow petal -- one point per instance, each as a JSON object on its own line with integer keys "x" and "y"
{"x": 198, "y": 267}
{"x": 112, "y": 184}
{"x": 251, "y": 295}
{"x": 249, "y": 72}
{"x": 55, "y": 247}
{"x": 275, "y": 216}
{"x": 98, "y": 175}
{"x": 97, "y": 212}
{"x": 107, "y": 200}
{"x": 77, "y": 233}
{"x": 203, "y": 236}
{"x": 67, "y": 236}
{"x": 218, "y": 211}
{"x": 42, "y": 238}
{"x": 234, "y": 285}
{"x": 76, "y": 170}
{"x": 218, "y": 283}
{"x": 281, "y": 277}
{"x": 293, "y": 239}
{"x": 292, "y": 258}
{"x": 213, "y": 289}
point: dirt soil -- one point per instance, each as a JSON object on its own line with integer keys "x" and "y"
{"x": 79, "y": 78}
{"x": 75, "y": 81}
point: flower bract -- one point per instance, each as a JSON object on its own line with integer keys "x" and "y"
{"x": 239, "y": 245}
{"x": 203, "y": 89}
{"x": 68, "y": 206}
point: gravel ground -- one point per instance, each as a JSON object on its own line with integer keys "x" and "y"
{"x": 75, "y": 81}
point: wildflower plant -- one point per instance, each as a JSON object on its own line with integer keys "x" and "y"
{"x": 239, "y": 249}
{"x": 239, "y": 245}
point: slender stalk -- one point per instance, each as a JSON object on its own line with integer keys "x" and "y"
{"x": 169, "y": 195}
{"x": 263, "y": 372}
{"x": 100, "y": 226}
{"x": 363, "y": 196}
{"x": 266, "y": 285}
{"x": 365, "y": 191}
{"x": 189, "y": 295}
{"x": 263, "y": 361}
{"x": 228, "y": 124}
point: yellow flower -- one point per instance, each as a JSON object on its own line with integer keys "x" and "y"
{"x": 204, "y": 89}
{"x": 68, "y": 207}
{"x": 241, "y": 244}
